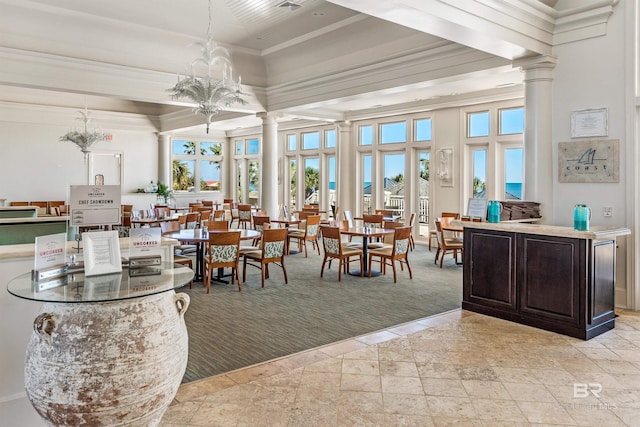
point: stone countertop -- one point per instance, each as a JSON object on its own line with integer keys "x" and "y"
{"x": 28, "y": 249}
{"x": 594, "y": 233}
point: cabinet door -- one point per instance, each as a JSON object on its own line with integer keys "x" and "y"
{"x": 552, "y": 277}
{"x": 489, "y": 264}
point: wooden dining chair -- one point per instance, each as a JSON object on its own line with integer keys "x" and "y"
{"x": 273, "y": 247}
{"x": 446, "y": 245}
{"x": 244, "y": 216}
{"x": 433, "y": 232}
{"x": 398, "y": 252}
{"x": 335, "y": 249}
{"x": 411, "y": 224}
{"x": 372, "y": 220}
{"x": 306, "y": 232}
{"x": 223, "y": 251}
{"x": 170, "y": 226}
{"x": 387, "y": 239}
{"x": 217, "y": 225}
{"x": 218, "y": 215}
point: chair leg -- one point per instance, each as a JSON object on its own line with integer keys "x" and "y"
{"x": 284, "y": 271}
{"x": 406, "y": 260}
{"x": 393, "y": 266}
{"x": 324, "y": 261}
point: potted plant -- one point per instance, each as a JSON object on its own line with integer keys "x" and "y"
{"x": 164, "y": 193}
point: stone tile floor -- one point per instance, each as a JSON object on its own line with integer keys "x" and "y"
{"x": 456, "y": 368}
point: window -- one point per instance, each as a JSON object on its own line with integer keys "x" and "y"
{"x": 311, "y": 180}
{"x": 311, "y": 141}
{"x": 367, "y": 184}
{"x": 292, "y": 185}
{"x": 478, "y": 124}
{"x": 196, "y": 162}
{"x": 391, "y": 133}
{"x": 479, "y": 174}
{"x": 513, "y": 164}
{"x": 331, "y": 180}
{"x": 292, "y": 142}
{"x": 330, "y": 138}
{"x": 247, "y": 176}
{"x": 393, "y": 178}
{"x": 423, "y": 130}
{"x": 366, "y": 135}
{"x": 253, "y": 146}
{"x": 511, "y": 121}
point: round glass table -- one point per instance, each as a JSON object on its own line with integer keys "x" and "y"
{"x": 109, "y": 349}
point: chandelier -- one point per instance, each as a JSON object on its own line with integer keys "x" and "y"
{"x": 84, "y": 139}
{"x": 217, "y": 90}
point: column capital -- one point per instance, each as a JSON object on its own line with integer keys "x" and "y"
{"x": 536, "y": 62}
{"x": 343, "y": 124}
{"x": 267, "y": 116}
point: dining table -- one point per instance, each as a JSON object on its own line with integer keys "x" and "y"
{"x": 150, "y": 221}
{"x": 367, "y": 233}
{"x": 199, "y": 237}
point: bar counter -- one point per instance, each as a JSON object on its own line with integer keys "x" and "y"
{"x": 549, "y": 277}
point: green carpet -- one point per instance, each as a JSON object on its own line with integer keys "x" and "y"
{"x": 229, "y": 330}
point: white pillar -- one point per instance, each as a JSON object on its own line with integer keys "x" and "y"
{"x": 165, "y": 169}
{"x": 269, "y": 168}
{"x": 346, "y": 168}
{"x": 228, "y": 148}
{"x": 538, "y": 144}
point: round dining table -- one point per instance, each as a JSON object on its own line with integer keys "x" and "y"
{"x": 199, "y": 237}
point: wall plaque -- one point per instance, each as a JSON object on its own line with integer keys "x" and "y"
{"x": 589, "y": 161}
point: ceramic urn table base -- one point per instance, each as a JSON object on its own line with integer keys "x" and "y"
{"x": 107, "y": 350}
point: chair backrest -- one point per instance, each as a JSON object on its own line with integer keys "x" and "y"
{"x": 169, "y": 226}
{"x": 384, "y": 212}
{"x": 401, "y": 240}
{"x": 138, "y": 213}
{"x": 274, "y": 243}
{"x": 223, "y": 246}
{"x": 349, "y": 218}
{"x": 390, "y": 225}
{"x": 372, "y": 220}
{"x": 192, "y": 220}
{"x": 244, "y": 212}
{"x": 217, "y": 215}
{"x": 412, "y": 219}
{"x": 19, "y": 204}
{"x": 450, "y": 215}
{"x": 229, "y": 201}
{"x": 260, "y": 221}
{"x": 313, "y": 224}
{"x": 207, "y": 203}
{"x": 162, "y": 212}
{"x": 194, "y": 205}
{"x": 303, "y": 215}
{"x": 331, "y": 240}
{"x": 217, "y": 225}
{"x": 439, "y": 233}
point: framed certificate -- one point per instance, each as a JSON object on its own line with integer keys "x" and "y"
{"x": 588, "y": 123}
{"x": 101, "y": 253}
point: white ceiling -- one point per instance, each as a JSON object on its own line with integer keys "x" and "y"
{"x": 152, "y": 33}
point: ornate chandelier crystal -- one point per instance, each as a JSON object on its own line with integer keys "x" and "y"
{"x": 84, "y": 139}
{"x": 217, "y": 90}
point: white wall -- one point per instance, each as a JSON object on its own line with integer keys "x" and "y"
{"x": 590, "y": 74}
{"x": 35, "y": 165}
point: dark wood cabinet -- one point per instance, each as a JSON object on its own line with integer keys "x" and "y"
{"x": 558, "y": 283}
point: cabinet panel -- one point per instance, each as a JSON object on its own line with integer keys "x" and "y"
{"x": 490, "y": 272}
{"x": 603, "y": 282}
{"x": 550, "y": 276}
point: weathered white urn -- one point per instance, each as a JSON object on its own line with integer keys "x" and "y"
{"x": 109, "y": 363}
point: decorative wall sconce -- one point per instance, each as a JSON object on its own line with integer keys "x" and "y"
{"x": 445, "y": 167}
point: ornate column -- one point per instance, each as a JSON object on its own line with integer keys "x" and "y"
{"x": 346, "y": 168}
{"x": 269, "y": 169}
{"x": 538, "y": 145}
{"x": 164, "y": 159}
